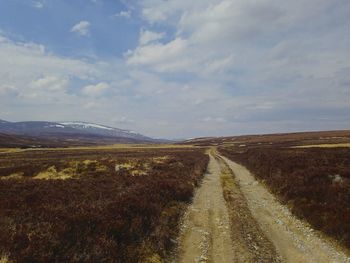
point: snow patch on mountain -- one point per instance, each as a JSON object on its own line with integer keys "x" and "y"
{"x": 56, "y": 126}
{"x": 87, "y": 125}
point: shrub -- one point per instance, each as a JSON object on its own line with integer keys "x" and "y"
{"x": 103, "y": 215}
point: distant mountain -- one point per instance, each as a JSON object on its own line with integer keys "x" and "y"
{"x": 105, "y": 130}
{"x": 73, "y": 132}
{"x": 2, "y": 121}
{"x": 34, "y": 128}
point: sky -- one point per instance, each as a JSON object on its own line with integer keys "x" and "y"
{"x": 178, "y": 68}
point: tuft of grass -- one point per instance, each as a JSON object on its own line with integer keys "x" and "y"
{"x": 17, "y": 176}
{"x": 52, "y": 174}
{"x": 160, "y": 160}
{"x": 4, "y": 259}
{"x": 155, "y": 258}
{"x": 227, "y": 180}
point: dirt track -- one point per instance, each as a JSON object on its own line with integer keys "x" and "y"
{"x": 294, "y": 240}
{"x": 233, "y": 218}
{"x": 206, "y": 229}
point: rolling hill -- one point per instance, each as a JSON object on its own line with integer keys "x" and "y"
{"x": 56, "y": 134}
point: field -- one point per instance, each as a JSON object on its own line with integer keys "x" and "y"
{"x": 136, "y": 203}
{"x": 283, "y": 139}
{"x": 95, "y": 204}
{"x": 313, "y": 182}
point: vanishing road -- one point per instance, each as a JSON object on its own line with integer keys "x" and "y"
{"x": 233, "y": 218}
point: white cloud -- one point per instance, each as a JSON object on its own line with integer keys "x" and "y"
{"x": 147, "y": 36}
{"x": 38, "y": 4}
{"x": 50, "y": 83}
{"x": 249, "y": 56}
{"x": 216, "y": 31}
{"x": 7, "y": 90}
{"x": 31, "y": 76}
{"x": 162, "y": 56}
{"x": 123, "y": 120}
{"x": 214, "y": 119}
{"x": 22, "y": 63}
{"x": 224, "y": 67}
{"x": 153, "y": 15}
{"x": 158, "y": 11}
{"x": 124, "y": 14}
{"x": 96, "y": 90}
{"x": 82, "y": 28}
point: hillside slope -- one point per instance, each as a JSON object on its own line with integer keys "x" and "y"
{"x": 48, "y": 134}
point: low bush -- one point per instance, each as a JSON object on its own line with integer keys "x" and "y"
{"x": 103, "y": 215}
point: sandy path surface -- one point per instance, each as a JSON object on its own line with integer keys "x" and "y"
{"x": 206, "y": 229}
{"x": 219, "y": 227}
{"x": 293, "y": 239}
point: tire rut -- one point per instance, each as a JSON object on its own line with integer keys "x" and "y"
{"x": 250, "y": 244}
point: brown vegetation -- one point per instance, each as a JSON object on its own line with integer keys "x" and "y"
{"x": 98, "y": 213}
{"x": 313, "y": 182}
{"x": 282, "y": 139}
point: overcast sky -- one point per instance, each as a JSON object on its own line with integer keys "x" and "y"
{"x": 178, "y": 68}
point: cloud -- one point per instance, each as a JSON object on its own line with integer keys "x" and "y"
{"x": 162, "y": 57}
{"x": 200, "y": 67}
{"x": 50, "y": 83}
{"x": 96, "y": 90}
{"x": 123, "y": 120}
{"x": 217, "y": 30}
{"x": 38, "y": 4}
{"x": 26, "y": 61}
{"x": 32, "y": 77}
{"x": 214, "y": 119}
{"x": 6, "y": 90}
{"x": 82, "y": 28}
{"x": 147, "y": 36}
{"x": 268, "y": 56}
{"x": 124, "y": 14}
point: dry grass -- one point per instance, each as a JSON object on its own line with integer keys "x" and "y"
{"x": 52, "y": 174}
{"x": 134, "y": 168}
{"x": 4, "y": 259}
{"x": 160, "y": 160}
{"x": 73, "y": 171}
{"x": 154, "y": 259}
{"x": 124, "y": 166}
{"x": 18, "y": 175}
{"x": 7, "y": 150}
{"x": 227, "y": 180}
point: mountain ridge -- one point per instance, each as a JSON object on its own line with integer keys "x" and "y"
{"x": 73, "y": 131}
